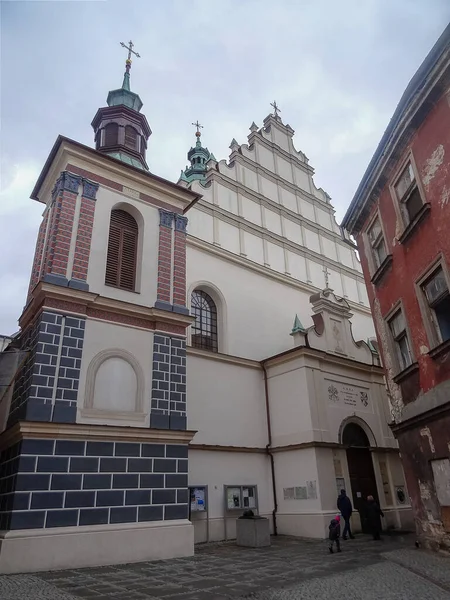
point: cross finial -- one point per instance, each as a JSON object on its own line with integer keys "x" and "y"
{"x": 327, "y": 275}
{"x": 276, "y": 110}
{"x": 198, "y": 126}
{"x": 130, "y": 49}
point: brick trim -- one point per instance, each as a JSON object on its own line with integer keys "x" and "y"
{"x": 119, "y": 318}
{"x": 164, "y": 287}
{"x": 118, "y": 186}
{"x": 179, "y": 261}
{"x": 84, "y": 236}
{"x": 39, "y": 252}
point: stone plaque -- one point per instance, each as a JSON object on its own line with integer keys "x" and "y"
{"x": 347, "y": 395}
{"x": 300, "y": 493}
{"x": 311, "y": 487}
{"x": 385, "y": 480}
{"x": 130, "y": 192}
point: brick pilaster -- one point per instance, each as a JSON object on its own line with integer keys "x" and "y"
{"x": 179, "y": 264}
{"x": 165, "y": 260}
{"x": 39, "y": 253}
{"x": 64, "y": 197}
{"x": 84, "y": 235}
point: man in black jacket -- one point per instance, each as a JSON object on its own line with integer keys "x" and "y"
{"x": 374, "y": 514}
{"x": 345, "y": 506}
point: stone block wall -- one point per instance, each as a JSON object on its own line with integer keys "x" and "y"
{"x": 47, "y": 386}
{"x": 47, "y": 483}
{"x": 168, "y": 405}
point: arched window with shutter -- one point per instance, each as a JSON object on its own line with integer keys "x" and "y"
{"x": 204, "y": 329}
{"x": 122, "y": 251}
{"x": 111, "y": 134}
{"x": 131, "y": 137}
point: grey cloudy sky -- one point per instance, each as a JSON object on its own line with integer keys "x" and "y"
{"x": 337, "y": 70}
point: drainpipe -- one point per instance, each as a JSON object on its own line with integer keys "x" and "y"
{"x": 269, "y": 452}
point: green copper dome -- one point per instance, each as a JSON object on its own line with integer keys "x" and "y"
{"x": 198, "y": 156}
{"x": 124, "y": 95}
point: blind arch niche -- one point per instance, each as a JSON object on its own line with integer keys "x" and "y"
{"x": 115, "y": 383}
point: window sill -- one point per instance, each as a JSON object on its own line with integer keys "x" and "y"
{"x": 406, "y": 373}
{"x": 117, "y": 287}
{"x": 378, "y": 275}
{"x": 411, "y": 227}
{"x": 440, "y": 349}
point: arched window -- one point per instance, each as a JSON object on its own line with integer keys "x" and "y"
{"x": 131, "y": 137}
{"x": 111, "y": 134}
{"x": 204, "y": 330}
{"x": 122, "y": 250}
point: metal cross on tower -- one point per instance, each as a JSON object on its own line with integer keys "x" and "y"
{"x": 327, "y": 275}
{"x": 197, "y": 124}
{"x": 276, "y": 110}
{"x": 130, "y": 49}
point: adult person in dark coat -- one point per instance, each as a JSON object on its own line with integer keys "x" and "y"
{"x": 374, "y": 514}
{"x": 345, "y": 506}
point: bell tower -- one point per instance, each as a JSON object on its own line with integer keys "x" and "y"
{"x": 121, "y": 131}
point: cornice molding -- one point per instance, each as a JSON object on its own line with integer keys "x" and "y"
{"x": 66, "y": 150}
{"x": 80, "y": 431}
{"x": 276, "y": 238}
{"x": 273, "y": 206}
{"x": 286, "y": 448}
{"x": 266, "y": 271}
{"x": 46, "y": 296}
{"x": 275, "y": 149}
{"x": 324, "y": 356}
{"x": 225, "y": 358}
{"x": 258, "y": 168}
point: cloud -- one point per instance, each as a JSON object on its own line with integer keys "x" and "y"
{"x": 337, "y": 70}
{"x": 20, "y": 219}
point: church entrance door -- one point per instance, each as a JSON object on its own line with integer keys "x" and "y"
{"x": 360, "y": 467}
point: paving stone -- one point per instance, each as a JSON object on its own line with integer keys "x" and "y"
{"x": 290, "y": 569}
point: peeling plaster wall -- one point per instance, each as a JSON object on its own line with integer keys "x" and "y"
{"x": 421, "y": 392}
{"x": 430, "y": 147}
{"x": 419, "y": 447}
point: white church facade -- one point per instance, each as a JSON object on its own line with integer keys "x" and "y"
{"x": 186, "y": 356}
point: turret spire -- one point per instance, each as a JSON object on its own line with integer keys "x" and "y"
{"x": 121, "y": 130}
{"x": 198, "y": 157}
{"x": 126, "y": 75}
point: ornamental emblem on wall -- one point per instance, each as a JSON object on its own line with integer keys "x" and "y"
{"x": 364, "y": 397}
{"x": 333, "y": 393}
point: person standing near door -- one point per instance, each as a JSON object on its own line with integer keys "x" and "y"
{"x": 374, "y": 514}
{"x": 345, "y": 506}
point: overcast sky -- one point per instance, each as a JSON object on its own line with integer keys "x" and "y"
{"x": 336, "y": 69}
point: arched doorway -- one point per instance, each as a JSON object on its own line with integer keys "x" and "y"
{"x": 360, "y": 468}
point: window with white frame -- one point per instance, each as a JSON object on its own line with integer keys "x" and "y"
{"x": 397, "y": 326}
{"x": 377, "y": 243}
{"x": 407, "y": 193}
{"x": 437, "y": 296}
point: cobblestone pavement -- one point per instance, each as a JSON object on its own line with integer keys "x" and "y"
{"x": 289, "y": 570}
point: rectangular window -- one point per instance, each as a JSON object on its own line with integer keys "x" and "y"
{"x": 407, "y": 193}
{"x": 399, "y": 334}
{"x": 437, "y": 296}
{"x": 377, "y": 243}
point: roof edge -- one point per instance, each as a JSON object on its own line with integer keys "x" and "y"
{"x": 417, "y": 84}
{"x": 61, "y": 139}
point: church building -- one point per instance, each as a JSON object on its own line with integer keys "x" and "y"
{"x": 192, "y": 350}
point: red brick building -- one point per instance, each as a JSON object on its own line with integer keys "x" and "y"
{"x": 400, "y": 218}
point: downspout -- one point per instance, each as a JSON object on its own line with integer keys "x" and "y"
{"x": 269, "y": 451}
